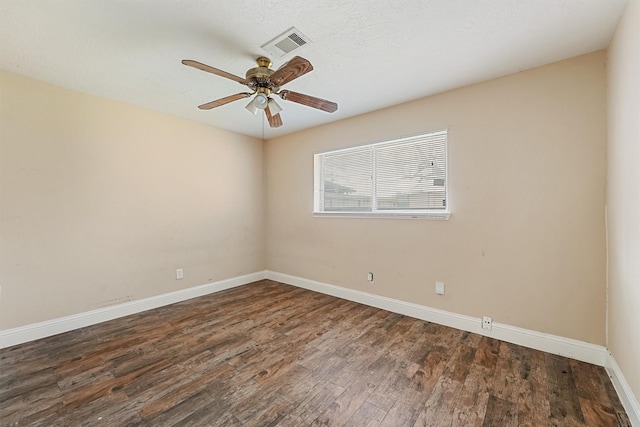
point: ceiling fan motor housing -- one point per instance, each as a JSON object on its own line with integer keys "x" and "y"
{"x": 258, "y": 77}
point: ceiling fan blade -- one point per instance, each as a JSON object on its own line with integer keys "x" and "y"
{"x": 309, "y": 101}
{"x": 291, "y": 70}
{"x": 275, "y": 121}
{"x": 209, "y": 69}
{"x": 225, "y": 100}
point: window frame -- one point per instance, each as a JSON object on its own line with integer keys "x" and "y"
{"x": 434, "y": 214}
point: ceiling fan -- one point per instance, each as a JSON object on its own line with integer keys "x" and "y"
{"x": 264, "y": 82}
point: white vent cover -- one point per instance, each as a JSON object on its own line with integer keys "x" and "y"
{"x": 286, "y": 43}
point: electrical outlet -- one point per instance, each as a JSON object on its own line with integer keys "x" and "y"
{"x": 487, "y": 322}
{"x": 440, "y": 288}
{"x": 370, "y": 276}
{"x": 179, "y": 273}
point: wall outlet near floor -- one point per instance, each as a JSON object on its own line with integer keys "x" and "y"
{"x": 179, "y": 273}
{"x": 487, "y": 322}
{"x": 370, "y": 276}
{"x": 440, "y": 288}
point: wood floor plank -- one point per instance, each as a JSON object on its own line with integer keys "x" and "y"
{"x": 563, "y": 395}
{"x": 268, "y": 354}
{"x": 432, "y": 367}
{"x": 367, "y": 415}
{"x": 355, "y": 368}
{"x": 192, "y": 385}
{"x": 390, "y": 388}
{"x": 345, "y": 405}
{"x": 109, "y": 409}
{"x": 18, "y": 385}
{"x": 145, "y": 384}
{"x": 406, "y": 409}
{"x": 404, "y": 335}
{"x": 460, "y": 360}
{"x": 81, "y": 380}
{"x": 594, "y": 399}
{"x": 533, "y": 402}
{"x": 500, "y": 412}
{"x": 512, "y": 372}
{"x": 471, "y": 407}
{"x": 487, "y": 352}
{"x": 621, "y": 415}
{"x": 323, "y": 366}
{"x": 96, "y": 390}
{"x": 317, "y": 399}
{"x": 356, "y": 392}
{"x": 180, "y": 411}
{"x": 596, "y": 413}
{"x": 274, "y": 413}
{"x": 439, "y": 407}
{"x": 40, "y": 405}
{"x": 206, "y": 417}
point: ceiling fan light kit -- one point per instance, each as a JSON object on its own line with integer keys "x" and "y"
{"x": 274, "y": 108}
{"x": 251, "y": 107}
{"x": 259, "y": 102}
{"x": 264, "y": 81}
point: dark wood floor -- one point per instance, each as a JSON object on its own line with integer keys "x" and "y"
{"x": 269, "y": 354}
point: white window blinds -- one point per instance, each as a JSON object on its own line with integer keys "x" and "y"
{"x": 402, "y": 176}
{"x": 346, "y": 184}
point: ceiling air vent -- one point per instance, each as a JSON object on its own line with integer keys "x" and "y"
{"x": 286, "y": 43}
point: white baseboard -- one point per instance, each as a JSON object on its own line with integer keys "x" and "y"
{"x": 10, "y": 337}
{"x": 554, "y": 344}
{"x": 627, "y": 398}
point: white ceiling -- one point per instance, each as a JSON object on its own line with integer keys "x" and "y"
{"x": 367, "y": 54}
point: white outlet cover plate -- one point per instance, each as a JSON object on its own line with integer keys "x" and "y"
{"x": 440, "y": 288}
{"x": 486, "y": 322}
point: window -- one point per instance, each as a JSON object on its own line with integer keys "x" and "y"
{"x": 405, "y": 177}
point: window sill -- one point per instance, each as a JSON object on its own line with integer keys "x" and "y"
{"x": 441, "y": 216}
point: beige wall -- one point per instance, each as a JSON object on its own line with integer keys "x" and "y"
{"x": 623, "y": 196}
{"x": 526, "y": 240}
{"x": 102, "y": 201}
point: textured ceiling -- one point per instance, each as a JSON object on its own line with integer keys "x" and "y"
{"x": 367, "y": 54}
